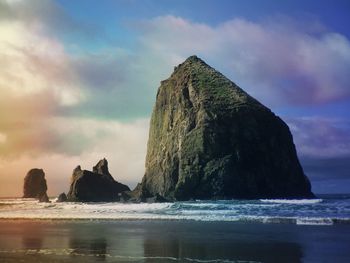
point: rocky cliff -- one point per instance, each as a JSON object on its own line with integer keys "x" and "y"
{"x": 209, "y": 139}
{"x": 96, "y": 186}
{"x": 35, "y": 185}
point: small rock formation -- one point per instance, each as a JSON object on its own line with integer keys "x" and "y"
{"x": 35, "y": 185}
{"x": 209, "y": 139}
{"x": 96, "y": 186}
{"x": 62, "y": 198}
{"x": 132, "y": 196}
{"x": 44, "y": 198}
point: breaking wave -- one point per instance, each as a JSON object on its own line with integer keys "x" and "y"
{"x": 325, "y": 211}
{"x": 292, "y": 201}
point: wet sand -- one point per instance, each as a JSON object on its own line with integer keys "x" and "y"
{"x": 170, "y": 241}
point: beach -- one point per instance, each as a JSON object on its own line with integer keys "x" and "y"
{"x": 170, "y": 241}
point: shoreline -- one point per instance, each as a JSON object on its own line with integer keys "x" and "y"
{"x": 170, "y": 241}
{"x": 319, "y": 212}
{"x": 324, "y": 222}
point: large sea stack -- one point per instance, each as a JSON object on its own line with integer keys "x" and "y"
{"x": 96, "y": 186}
{"x": 209, "y": 139}
{"x": 35, "y": 185}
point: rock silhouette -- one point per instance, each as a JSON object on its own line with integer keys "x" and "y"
{"x": 62, "y": 198}
{"x": 35, "y": 185}
{"x": 96, "y": 186}
{"x": 209, "y": 139}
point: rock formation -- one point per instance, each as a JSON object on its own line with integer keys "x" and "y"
{"x": 96, "y": 186}
{"x": 62, "y": 198}
{"x": 209, "y": 139}
{"x": 44, "y": 198}
{"x": 35, "y": 185}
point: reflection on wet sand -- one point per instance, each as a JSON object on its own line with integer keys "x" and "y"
{"x": 32, "y": 238}
{"x": 32, "y": 243}
{"x": 152, "y": 241}
{"x": 92, "y": 247}
{"x": 161, "y": 248}
{"x": 216, "y": 250}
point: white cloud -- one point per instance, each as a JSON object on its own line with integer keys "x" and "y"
{"x": 276, "y": 62}
{"x": 32, "y": 62}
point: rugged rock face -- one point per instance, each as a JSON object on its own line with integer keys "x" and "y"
{"x": 35, "y": 185}
{"x": 96, "y": 186}
{"x": 209, "y": 139}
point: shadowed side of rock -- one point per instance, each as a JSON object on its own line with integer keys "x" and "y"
{"x": 35, "y": 185}
{"x": 96, "y": 186}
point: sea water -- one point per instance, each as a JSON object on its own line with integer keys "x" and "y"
{"x": 325, "y": 210}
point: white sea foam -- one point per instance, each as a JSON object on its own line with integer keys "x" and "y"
{"x": 314, "y": 221}
{"x": 292, "y": 201}
{"x": 72, "y": 252}
{"x": 264, "y": 211}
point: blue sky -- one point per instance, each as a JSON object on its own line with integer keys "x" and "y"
{"x": 78, "y": 78}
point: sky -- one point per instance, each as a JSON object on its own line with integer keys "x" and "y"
{"x": 78, "y": 79}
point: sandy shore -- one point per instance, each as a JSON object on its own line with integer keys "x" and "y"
{"x": 170, "y": 241}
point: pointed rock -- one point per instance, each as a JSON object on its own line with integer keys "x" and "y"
{"x": 209, "y": 139}
{"x": 96, "y": 186}
{"x": 77, "y": 169}
{"x": 102, "y": 168}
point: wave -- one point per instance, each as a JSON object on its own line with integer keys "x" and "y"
{"x": 201, "y": 218}
{"x": 280, "y": 211}
{"x": 292, "y": 201}
{"x": 315, "y": 221}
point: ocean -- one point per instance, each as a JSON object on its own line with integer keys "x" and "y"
{"x": 228, "y": 231}
{"x": 326, "y": 210}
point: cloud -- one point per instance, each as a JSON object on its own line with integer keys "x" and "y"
{"x": 323, "y": 145}
{"x": 33, "y": 63}
{"x": 77, "y": 142}
{"x": 321, "y": 137}
{"x": 117, "y": 84}
{"x": 277, "y": 61}
{"x": 45, "y": 90}
{"x": 101, "y": 83}
{"x": 36, "y": 82}
{"x": 69, "y": 136}
{"x": 50, "y": 14}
